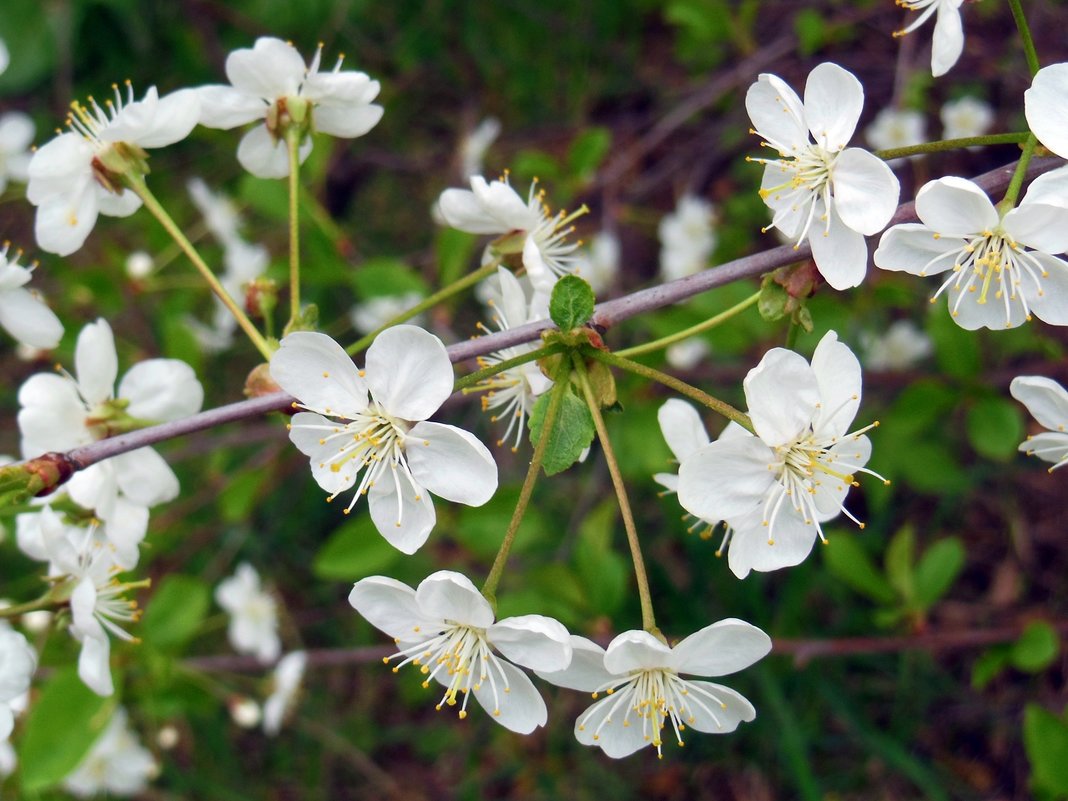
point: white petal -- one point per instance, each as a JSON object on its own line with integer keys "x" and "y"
{"x": 1046, "y": 107}
{"x": 838, "y": 378}
{"x": 586, "y": 671}
{"x": 865, "y": 191}
{"x": 972, "y": 315}
{"x": 57, "y": 166}
{"x": 96, "y": 363}
{"x": 145, "y": 478}
{"x": 1050, "y": 188}
{"x": 174, "y": 117}
{"x": 953, "y": 206}
{"x": 602, "y": 725}
{"x": 95, "y": 488}
{"x": 682, "y": 427}
{"x": 521, "y": 708}
{"x": 1045, "y": 399}
{"x": 390, "y": 607}
{"x": 94, "y": 665}
{"x": 636, "y": 650}
{"x": 161, "y": 390}
{"x": 263, "y": 156}
{"x": 1043, "y": 226}
{"x": 776, "y": 113}
{"x": 225, "y": 107}
{"x": 1052, "y": 446}
{"x": 726, "y": 478}
{"x": 1051, "y": 305}
{"x": 840, "y": 253}
{"x": 123, "y": 204}
{"x": 834, "y": 99}
{"x": 504, "y": 203}
{"x": 404, "y": 525}
{"x": 916, "y": 249}
{"x": 535, "y": 642}
{"x": 271, "y": 68}
{"x": 64, "y": 222}
{"x": 451, "y": 463}
{"x": 316, "y": 370}
{"x": 713, "y": 718}
{"x": 125, "y": 528}
{"x": 948, "y": 42}
{"x": 28, "y": 319}
{"x": 462, "y": 210}
{"x": 7, "y": 722}
{"x": 347, "y": 122}
{"x": 752, "y": 549}
{"x": 451, "y": 596}
{"x": 52, "y": 417}
{"x": 306, "y": 431}
{"x": 782, "y": 395}
{"x": 409, "y": 372}
{"x": 723, "y": 648}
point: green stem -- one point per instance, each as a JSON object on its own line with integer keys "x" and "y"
{"x": 693, "y": 330}
{"x": 469, "y": 382}
{"x": 140, "y": 188}
{"x": 1025, "y": 36}
{"x": 642, "y": 578}
{"x": 943, "y": 145}
{"x": 715, "y": 404}
{"x": 560, "y": 386}
{"x": 1013, "y": 192}
{"x": 433, "y": 300}
{"x": 791, "y": 335}
{"x": 44, "y": 602}
{"x": 293, "y": 135}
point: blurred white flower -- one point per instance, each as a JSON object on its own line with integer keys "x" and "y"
{"x": 687, "y": 238}
{"x": 253, "y": 625}
{"x": 966, "y": 117}
{"x": 117, "y": 763}
{"x": 473, "y": 147}
{"x": 22, "y": 313}
{"x": 245, "y": 712}
{"x": 371, "y": 314}
{"x": 18, "y": 661}
{"x": 687, "y": 354}
{"x": 901, "y": 346}
{"x": 598, "y": 264}
{"x": 286, "y": 683}
{"x": 16, "y": 136}
{"x": 5, "y": 57}
{"x": 893, "y": 128}
{"x": 219, "y": 213}
{"x": 1047, "y": 402}
{"x": 270, "y": 82}
{"x": 948, "y": 42}
{"x": 139, "y": 265}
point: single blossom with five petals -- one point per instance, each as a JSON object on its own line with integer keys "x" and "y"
{"x": 776, "y": 487}
{"x": 644, "y": 689}
{"x": 818, "y": 188}
{"x": 271, "y": 82}
{"x": 368, "y": 428}
{"x": 999, "y": 268}
{"x": 1047, "y": 401}
{"x": 446, "y": 628}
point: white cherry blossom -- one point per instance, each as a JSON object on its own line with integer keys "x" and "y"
{"x": 368, "y": 428}
{"x": 894, "y": 128}
{"x": 446, "y": 629}
{"x": 966, "y": 117}
{"x": 117, "y": 764}
{"x": 18, "y": 661}
{"x": 474, "y": 145}
{"x": 369, "y": 315}
{"x": 998, "y": 266}
{"x": 899, "y": 347}
{"x": 253, "y": 625}
{"x": 16, "y": 135}
{"x": 22, "y": 313}
{"x": 776, "y": 487}
{"x": 285, "y": 685}
{"x": 270, "y": 82}
{"x": 687, "y": 238}
{"x": 1047, "y": 401}
{"x": 645, "y": 692}
{"x": 80, "y": 175}
{"x": 948, "y": 42}
{"x": 598, "y": 264}
{"x": 819, "y": 189}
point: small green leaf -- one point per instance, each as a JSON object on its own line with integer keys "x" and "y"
{"x": 385, "y": 277}
{"x": 1046, "y": 742}
{"x": 571, "y": 303}
{"x": 587, "y": 152}
{"x": 989, "y": 666}
{"x": 62, "y": 726}
{"x": 355, "y": 550}
{"x": 1036, "y": 649}
{"x": 956, "y": 350}
{"x": 938, "y": 569}
{"x": 850, "y": 563}
{"x": 572, "y": 433}
{"x": 454, "y": 250}
{"x": 175, "y": 612}
{"x": 811, "y": 31}
{"x": 899, "y": 560}
{"x": 773, "y": 301}
{"x": 601, "y": 569}
{"x": 995, "y": 428}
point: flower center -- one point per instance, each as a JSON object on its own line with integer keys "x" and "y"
{"x": 459, "y": 657}
{"x": 805, "y": 192}
{"x": 652, "y": 699}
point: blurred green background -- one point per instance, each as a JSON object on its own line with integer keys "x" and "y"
{"x": 624, "y": 106}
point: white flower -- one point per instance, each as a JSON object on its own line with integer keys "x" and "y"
{"x": 79, "y": 175}
{"x": 22, "y": 313}
{"x": 1047, "y": 402}
{"x": 253, "y": 625}
{"x": 893, "y": 128}
{"x": 598, "y": 265}
{"x": 219, "y": 213}
{"x": 382, "y": 443}
{"x": 18, "y": 661}
{"x": 966, "y": 117}
{"x": 1046, "y": 107}
{"x": 117, "y": 763}
{"x": 528, "y": 227}
{"x": 775, "y": 488}
{"x": 843, "y": 193}
{"x": 270, "y": 82}
{"x": 5, "y": 57}
{"x": 993, "y": 280}
{"x": 474, "y": 145}
{"x": 948, "y": 33}
{"x": 371, "y": 314}
{"x": 445, "y": 627}
{"x": 645, "y": 693}
{"x": 16, "y": 136}
{"x": 60, "y": 412}
{"x": 898, "y": 348}
{"x": 511, "y": 393}
{"x": 687, "y": 354}
{"x": 286, "y": 680}
{"x": 687, "y": 238}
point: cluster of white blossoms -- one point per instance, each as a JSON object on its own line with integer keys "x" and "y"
{"x": 687, "y": 238}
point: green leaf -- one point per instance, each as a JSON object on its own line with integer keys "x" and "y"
{"x": 899, "y": 560}
{"x": 355, "y": 550}
{"x": 1036, "y": 649}
{"x": 1046, "y": 742}
{"x": 241, "y": 496}
{"x": 939, "y": 567}
{"x": 385, "y": 277}
{"x": 268, "y": 197}
{"x": 26, "y": 30}
{"x": 772, "y": 302}
{"x": 62, "y": 726}
{"x": 811, "y": 31}
{"x": 850, "y": 563}
{"x": 481, "y": 528}
{"x": 572, "y": 433}
{"x": 995, "y": 427}
{"x": 571, "y": 303}
{"x": 175, "y": 612}
{"x": 957, "y": 350}
{"x": 602, "y": 571}
{"x": 454, "y": 250}
{"x": 588, "y": 151}
{"x": 989, "y": 666}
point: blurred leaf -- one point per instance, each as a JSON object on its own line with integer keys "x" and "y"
{"x": 572, "y": 432}
{"x": 773, "y": 300}
{"x": 571, "y": 303}
{"x": 899, "y": 560}
{"x": 25, "y": 30}
{"x": 384, "y": 277}
{"x": 535, "y": 164}
{"x": 848, "y": 561}
{"x": 453, "y": 250}
{"x": 355, "y": 550}
{"x": 957, "y": 351}
{"x": 995, "y": 427}
{"x": 268, "y": 197}
{"x": 1036, "y": 649}
{"x": 989, "y": 666}
{"x": 1046, "y": 742}
{"x": 62, "y": 725}
{"x": 587, "y": 152}
{"x": 811, "y": 31}
{"x": 242, "y": 493}
{"x": 601, "y": 569}
{"x": 934, "y": 471}
{"x": 481, "y": 528}
{"x": 939, "y": 567}
{"x": 175, "y": 612}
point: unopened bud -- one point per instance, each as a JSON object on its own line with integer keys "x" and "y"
{"x": 261, "y": 296}
{"x": 260, "y": 382}
{"x": 245, "y": 712}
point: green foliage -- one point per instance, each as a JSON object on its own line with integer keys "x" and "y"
{"x": 176, "y": 612}
{"x": 1046, "y": 740}
{"x": 995, "y": 427}
{"x": 385, "y": 277}
{"x": 571, "y": 434}
{"x": 600, "y": 567}
{"x": 1036, "y": 649}
{"x": 355, "y": 550}
{"x": 572, "y": 302}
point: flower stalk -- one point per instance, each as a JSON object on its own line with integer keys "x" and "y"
{"x": 944, "y": 145}
{"x": 679, "y": 336}
{"x": 293, "y": 137}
